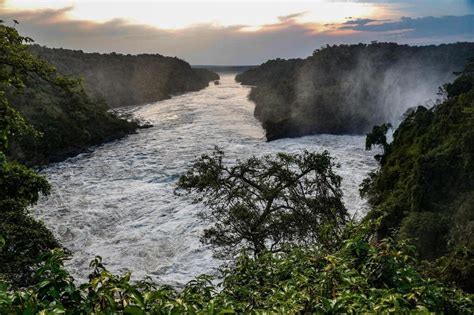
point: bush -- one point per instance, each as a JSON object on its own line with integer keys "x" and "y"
{"x": 361, "y": 277}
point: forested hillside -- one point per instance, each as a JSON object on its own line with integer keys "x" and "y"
{"x": 69, "y": 123}
{"x": 66, "y": 120}
{"x": 424, "y": 189}
{"x": 123, "y": 80}
{"x": 347, "y": 89}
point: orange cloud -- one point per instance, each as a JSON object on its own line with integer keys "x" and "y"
{"x": 199, "y": 44}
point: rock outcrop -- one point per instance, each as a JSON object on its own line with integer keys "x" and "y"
{"x": 347, "y": 89}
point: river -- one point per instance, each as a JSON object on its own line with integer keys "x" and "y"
{"x": 118, "y": 200}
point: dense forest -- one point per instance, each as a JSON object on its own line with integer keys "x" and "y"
{"x": 69, "y": 123}
{"x": 347, "y": 89}
{"x": 424, "y": 188}
{"x": 124, "y": 80}
{"x": 300, "y": 252}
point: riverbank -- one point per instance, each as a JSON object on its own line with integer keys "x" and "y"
{"x": 68, "y": 123}
{"x": 118, "y": 201}
{"x": 128, "y": 80}
{"x": 347, "y": 89}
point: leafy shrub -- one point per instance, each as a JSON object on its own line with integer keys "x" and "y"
{"x": 362, "y": 276}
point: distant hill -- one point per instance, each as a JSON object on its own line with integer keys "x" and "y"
{"x": 347, "y": 89}
{"x": 124, "y": 80}
{"x": 224, "y": 69}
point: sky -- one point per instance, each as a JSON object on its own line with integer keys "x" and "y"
{"x": 242, "y": 32}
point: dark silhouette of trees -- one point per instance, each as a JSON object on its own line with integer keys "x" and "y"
{"x": 378, "y": 137}
{"x": 269, "y": 202}
{"x": 347, "y": 89}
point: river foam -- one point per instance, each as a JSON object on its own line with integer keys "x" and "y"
{"x": 118, "y": 201}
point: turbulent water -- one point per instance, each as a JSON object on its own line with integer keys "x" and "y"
{"x": 118, "y": 201}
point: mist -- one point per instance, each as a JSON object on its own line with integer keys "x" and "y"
{"x": 370, "y": 95}
{"x": 348, "y": 89}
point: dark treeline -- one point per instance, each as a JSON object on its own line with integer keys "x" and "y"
{"x": 123, "y": 80}
{"x": 70, "y": 123}
{"x": 347, "y": 89}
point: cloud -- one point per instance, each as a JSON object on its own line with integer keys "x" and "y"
{"x": 237, "y": 44}
{"x": 199, "y": 44}
{"x": 417, "y": 27}
{"x": 358, "y": 21}
{"x": 291, "y": 17}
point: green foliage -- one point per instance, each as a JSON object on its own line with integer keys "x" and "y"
{"x": 361, "y": 277}
{"x": 23, "y": 238}
{"x": 60, "y": 119}
{"x": 269, "y": 202}
{"x": 126, "y": 80}
{"x": 57, "y": 293}
{"x": 20, "y": 186}
{"x": 69, "y": 123}
{"x": 456, "y": 268}
{"x": 464, "y": 83}
{"x": 378, "y": 137}
{"x": 425, "y": 186}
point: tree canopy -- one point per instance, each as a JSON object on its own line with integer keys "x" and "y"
{"x": 24, "y": 238}
{"x": 265, "y": 203}
{"x": 424, "y": 189}
{"x": 347, "y": 89}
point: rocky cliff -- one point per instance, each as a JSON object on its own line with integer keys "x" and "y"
{"x": 347, "y": 89}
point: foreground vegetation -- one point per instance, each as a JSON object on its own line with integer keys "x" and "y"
{"x": 300, "y": 253}
{"x": 360, "y": 276}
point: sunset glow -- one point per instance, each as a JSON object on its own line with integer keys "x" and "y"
{"x": 181, "y": 14}
{"x": 235, "y": 32}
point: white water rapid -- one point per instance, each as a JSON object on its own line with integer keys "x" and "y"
{"x": 118, "y": 202}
